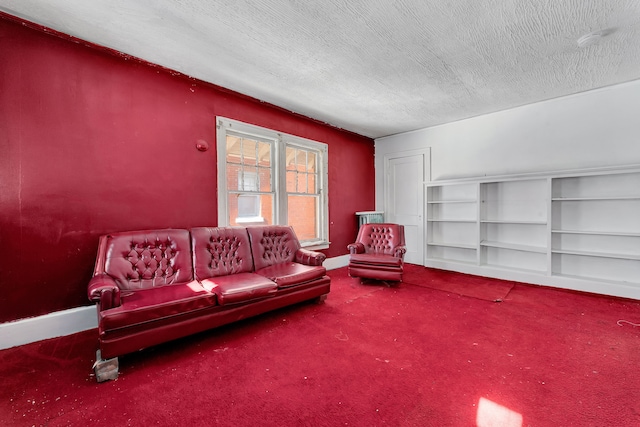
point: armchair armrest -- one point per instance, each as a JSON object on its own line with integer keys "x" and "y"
{"x": 103, "y": 289}
{"x": 355, "y": 248}
{"x": 307, "y": 257}
{"x": 399, "y": 251}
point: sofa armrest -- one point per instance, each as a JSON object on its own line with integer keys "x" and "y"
{"x": 307, "y": 257}
{"x": 355, "y": 248}
{"x": 399, "y": 251}
{"x": 103, "y": 289}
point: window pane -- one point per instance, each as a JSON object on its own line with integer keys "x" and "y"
{"x": 312, "y": 184}
{"x": 234, "y": 171}
{"x": 264, "y": 154}
{"x": 248, "y": 205}
{"x": 291, "y": 182}
{"x": 249, "y": 153}
{"x": 291, "y": 159}
{"x": 311, "y": 162}
{"x": 233, "y": 149}
{"x": 248, "y": 179}
{"x": 301, "y": 160}
{"x": 266, "y": 208}
{"x": 303, "y": 213}
{"x": 264, "y": 179}
{"x": 250, "y": 209}
{"x": 302, "y": 183}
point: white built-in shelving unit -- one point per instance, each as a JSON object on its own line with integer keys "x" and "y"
{"x": 513, "y": 224}
{"x": 596, "y": 227}
{"x": 452, "y": 225}
{"x": 571, "y": 229}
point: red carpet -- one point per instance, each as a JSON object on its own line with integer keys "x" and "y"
{"x": 462, "y": 284}
{"x": 370, "y": 356}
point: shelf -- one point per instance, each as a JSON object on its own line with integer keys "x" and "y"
{"x": 597, "y": 233}
{"x": 433, "y": 202}
{"x": 453, "y": 220}
{"x": 597, "y": 279}
{"x": 449, "y": 260}
{"x": 514, "y": 246}
{"x": 501, "y": 221}
{"x": 578, "y": 199}
{"x": 608, "y": 186}
{"x": 597, "y": 254}
{"x": 508, "y": 268}
{"x": 452, "y": 193}
{"x": 452, "y": 245}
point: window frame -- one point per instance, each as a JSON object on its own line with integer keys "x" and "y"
{"x": 280, "y": 141}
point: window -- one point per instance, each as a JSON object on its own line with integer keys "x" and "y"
{"x": 248, "y": 204}
{"x": 266, "y": 177}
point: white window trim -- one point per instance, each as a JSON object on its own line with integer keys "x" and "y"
{"x": 280, "y": 141}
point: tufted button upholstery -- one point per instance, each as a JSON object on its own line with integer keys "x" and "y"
{"x": 147, "y": 292}
{"x": 220, "y": 251}
{"x": 147, "y": 259}
{"x": 272, "y": 244}
{"x": 379, "y": 238}
{"x": 378, "y": 252}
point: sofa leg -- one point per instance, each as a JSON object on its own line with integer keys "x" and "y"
{"x": 105, "y": 369}
{"x": 320, "y": 299}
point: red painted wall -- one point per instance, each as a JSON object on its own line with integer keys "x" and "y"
{"x": 92, "y": 142}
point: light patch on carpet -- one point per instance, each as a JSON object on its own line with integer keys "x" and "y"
{"x": 490, "y": 414}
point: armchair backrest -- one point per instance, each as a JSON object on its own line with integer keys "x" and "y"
{"x": 146, "y": 259}
{"x": 381, "y": 238}
{"x": 272, "y": 244}
{"x": 220, "y": 251}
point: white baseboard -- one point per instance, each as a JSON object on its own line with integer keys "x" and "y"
{"x": 67, "y": 322}
{"x": 601, "y": 287}
{"x": 57, "y": 324}
{"x": 336, "y": 262}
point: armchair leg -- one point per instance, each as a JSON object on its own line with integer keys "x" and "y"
{"x": 320, "y": 299}
{"x": 105, "y": 369}
{"x": 387, "y": 283}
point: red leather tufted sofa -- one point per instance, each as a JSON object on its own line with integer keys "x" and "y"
{"x": 158, "y": 285}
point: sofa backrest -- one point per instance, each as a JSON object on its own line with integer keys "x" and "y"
{"x": 220, "y": 251}
{"x": 381, "y": 238}
{"x": 272, "y": 244}
{"x": 146, "y": 259}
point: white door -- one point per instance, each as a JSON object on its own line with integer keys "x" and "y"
{"x": 405, "y": 175}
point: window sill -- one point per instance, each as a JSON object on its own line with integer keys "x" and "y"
{"x": 250, "y": 220}
{"x": 316, "y": 246}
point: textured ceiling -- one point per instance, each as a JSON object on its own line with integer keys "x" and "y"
{"x": 373, "y": 67}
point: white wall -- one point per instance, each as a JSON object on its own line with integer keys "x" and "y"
{"x": 592, "y": 129}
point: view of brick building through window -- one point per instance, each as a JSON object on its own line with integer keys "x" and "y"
{"x": 251, "y": 185}
{"x": 302, "y": 192}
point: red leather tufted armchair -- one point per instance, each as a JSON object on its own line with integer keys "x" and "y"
{"x": 378, "y": 252}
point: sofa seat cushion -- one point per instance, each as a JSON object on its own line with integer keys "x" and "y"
{"x": 289, "y": 274}
{"x": 147, "y": 305}
{"x": 377, "y": 259}
{"x": 241, "y": 287}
